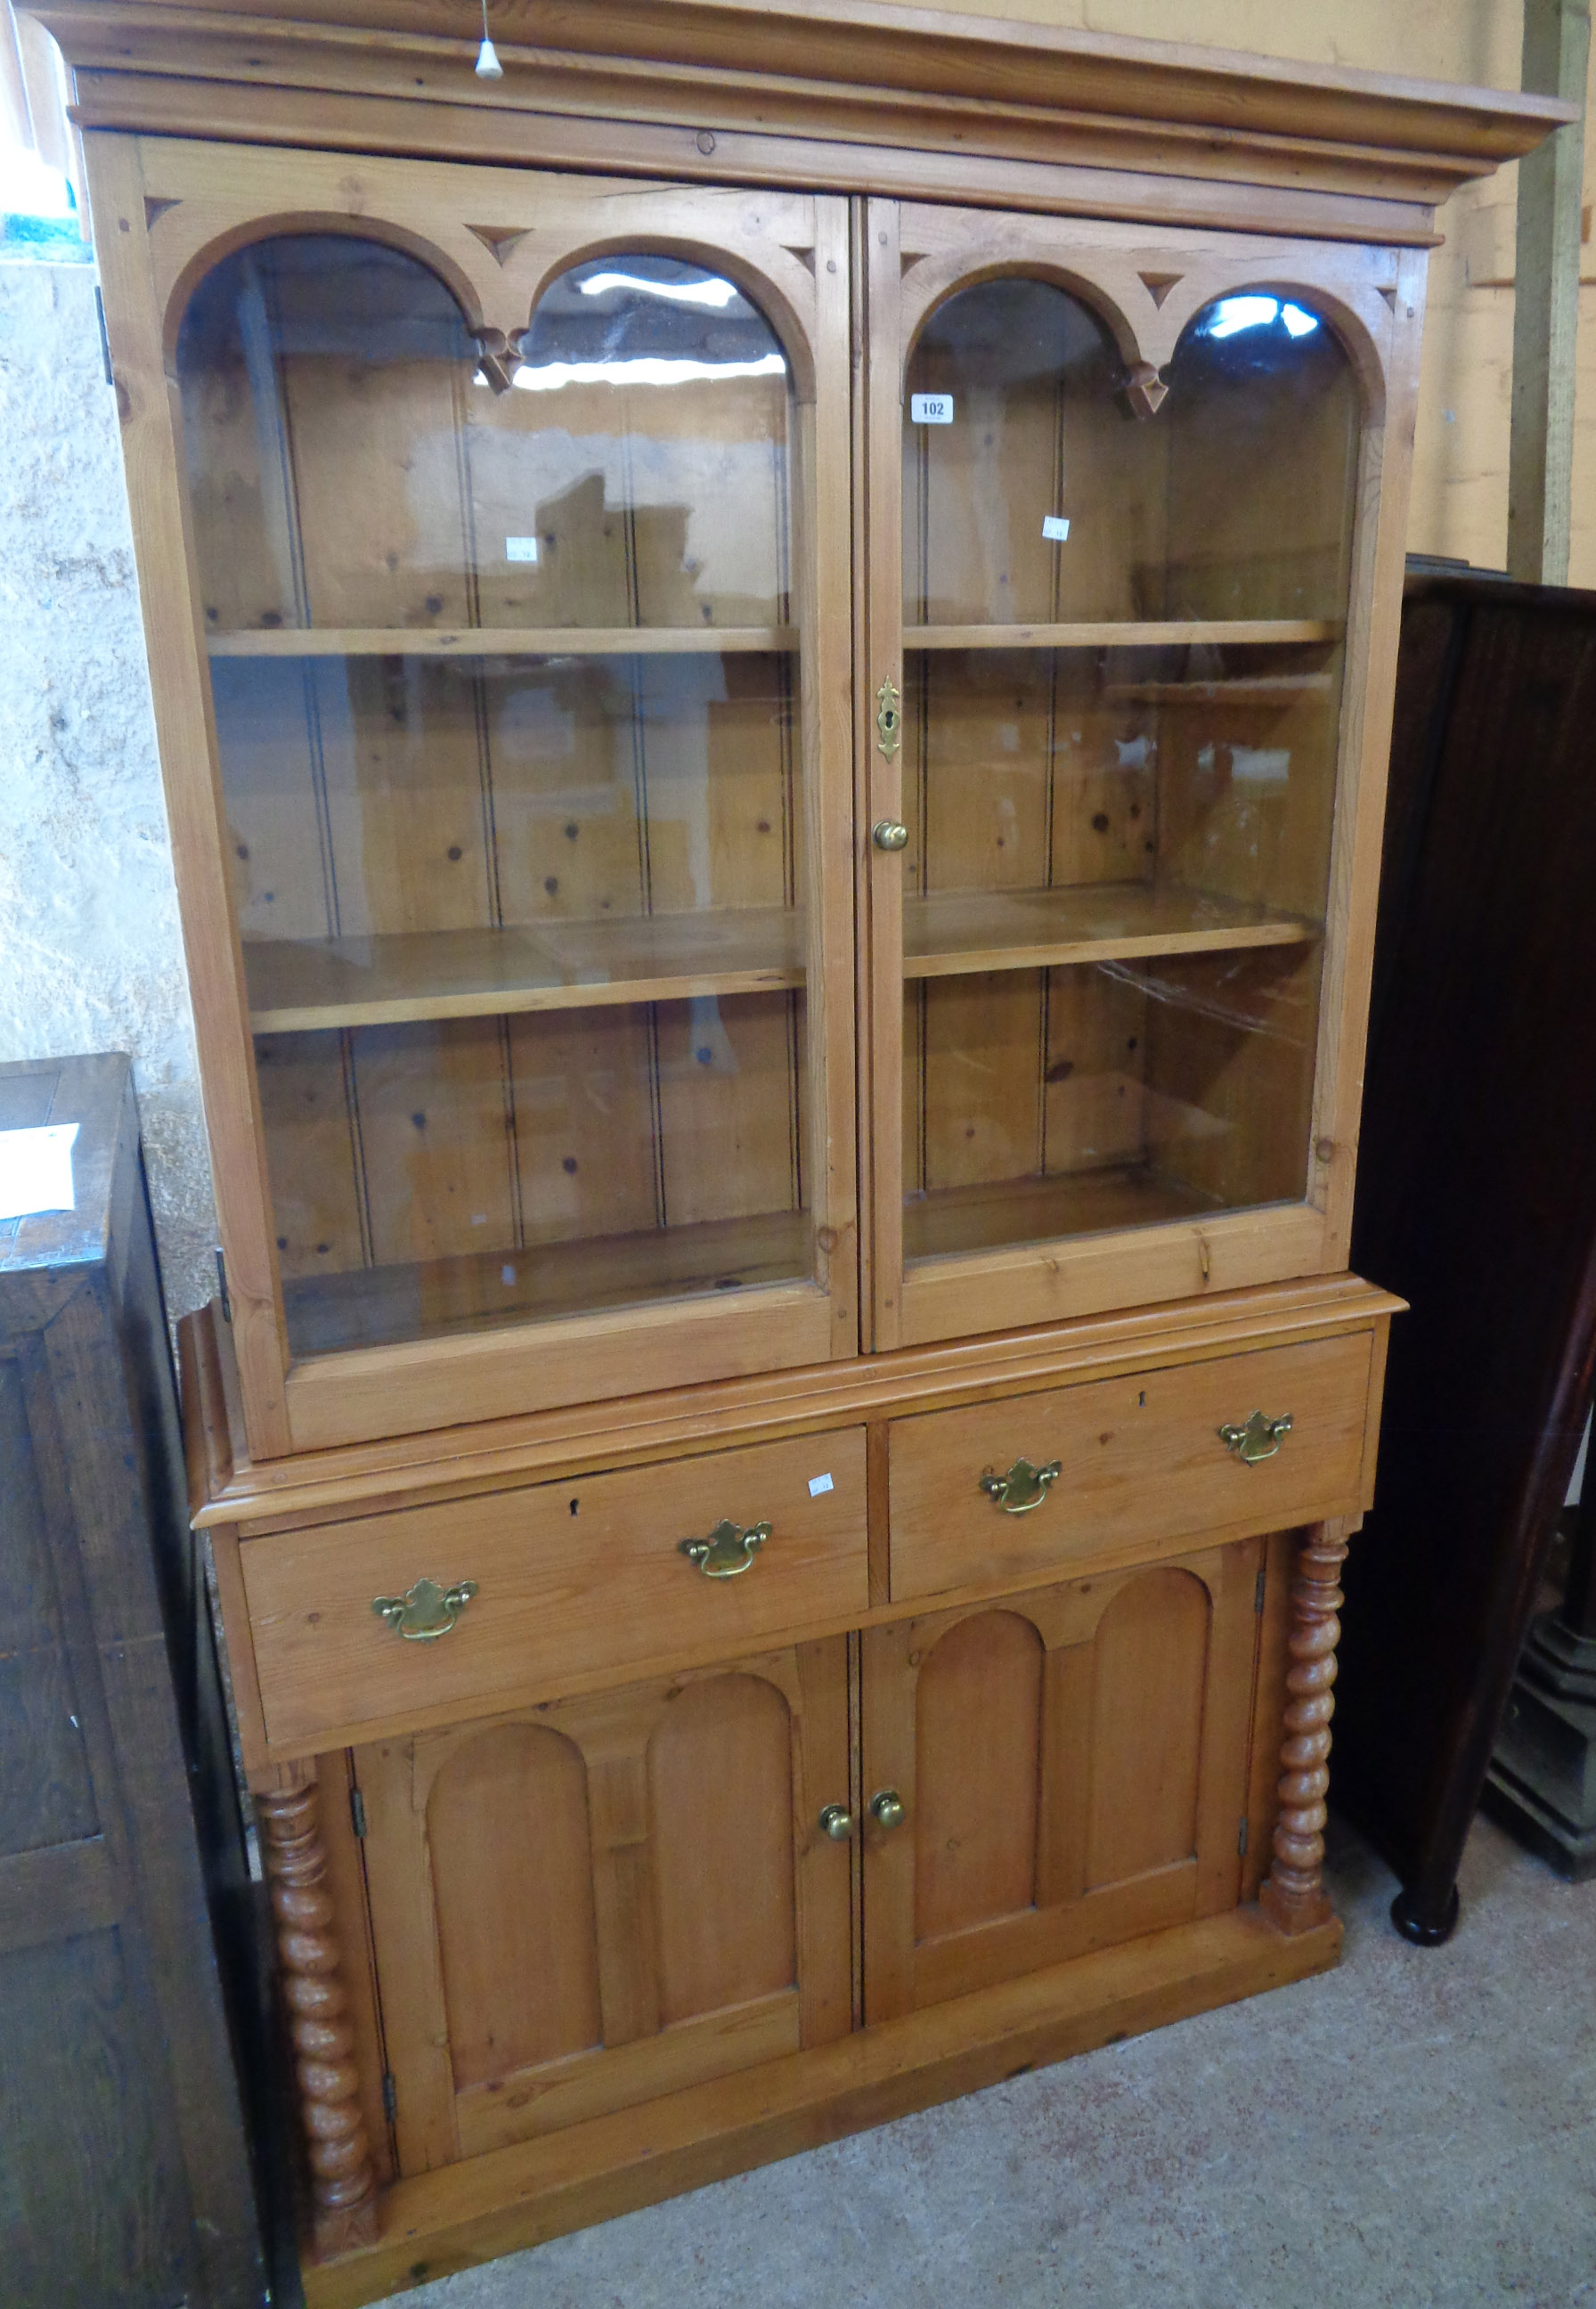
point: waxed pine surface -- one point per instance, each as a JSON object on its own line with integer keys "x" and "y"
{"x": 1415, "y": 2131}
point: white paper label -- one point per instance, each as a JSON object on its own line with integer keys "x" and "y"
{"x": 818, "y": 1483}
{"x": 931, "y": 407}
{"x": 1055, "y": 528}
{"x": 521, "y": 548}
{"x": 1261, "y": 765}
{"x": 35, "y": 1171}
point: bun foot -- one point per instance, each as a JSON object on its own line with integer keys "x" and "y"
{"x": 1419, "y": 1924}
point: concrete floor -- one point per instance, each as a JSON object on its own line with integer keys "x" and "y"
{"x": 1415, "y": 2131}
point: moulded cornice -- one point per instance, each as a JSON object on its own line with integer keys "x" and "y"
{"x": 840, "y": 71}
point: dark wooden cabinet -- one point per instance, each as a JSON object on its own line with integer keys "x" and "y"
{"x": 1475, "y": 1199}
{"x": 126, "y": 2177}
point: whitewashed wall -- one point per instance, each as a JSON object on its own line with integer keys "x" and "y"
{"x": 89, "y": 956}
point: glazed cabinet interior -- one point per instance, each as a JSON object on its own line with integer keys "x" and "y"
{"x": 539, "y": 658}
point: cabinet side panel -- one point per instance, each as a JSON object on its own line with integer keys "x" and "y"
{"x": 152, "y": 452}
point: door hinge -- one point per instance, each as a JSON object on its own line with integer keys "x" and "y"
{"x": 221, "y": 1284}
{"x": 390, "y": 2097}
{"x": 357, "y": 1811}
{"x": 1241, "y": 1839}
{"x": 1258, "y": 1594}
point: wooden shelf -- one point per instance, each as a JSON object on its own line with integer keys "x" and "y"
{"x": 1244, "y": 689}
{"x": 950, "y": 933}
{"x": 297, "y": 988}
{"x": 1009, "y": 1211}
{"x": 1123, "y": 634}
{"x": 501, "y": 641}
{"x": 311, "y": 986}
{"x": 433, "y": 1299}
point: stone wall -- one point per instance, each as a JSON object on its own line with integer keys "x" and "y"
{"x": 90, "y": 954}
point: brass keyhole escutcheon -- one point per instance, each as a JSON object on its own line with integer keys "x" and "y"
{"x": 1023, "y": 1487}
{"x": 887, "y": 1808}
{"x": 1256, "y": 1438}
{"x": 729, "y": 1549}
{"x": 889, "y": 718}
{"x": 837, "y": 1822}
{"x": 426, "y": 1611}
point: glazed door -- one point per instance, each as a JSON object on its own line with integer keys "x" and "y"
{"x": 592, "y": 1903}
{"x": 1055, "y": 1773}
{"x": 519, "y": 544}
{"x": 1125, "y": 530}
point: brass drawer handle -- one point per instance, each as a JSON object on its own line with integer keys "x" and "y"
{"x": 886, "y": 833}
{"x": 728, "y": 1550}
{"x": 426, "y": 1611}
{"x": 1257, "y": 1439}
{"x": 887, "y": 1808}
{"x": 837, "y": 1822}
{"x": 1023, "y": 1487}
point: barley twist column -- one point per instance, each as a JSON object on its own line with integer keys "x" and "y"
{"x": 1293, "y": 1896}
{"x": 342, "y": 2181}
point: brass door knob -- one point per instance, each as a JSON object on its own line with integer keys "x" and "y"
{"x": 837, "y": 1822}
{"x": 886, "y": 833}
{"x": 1256, "y": 1438}
{"x": 887, "y": 1808}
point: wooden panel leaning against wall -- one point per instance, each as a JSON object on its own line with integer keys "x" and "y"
{"x": 127, "y": 2166}
{"x": 691, "y": 1715}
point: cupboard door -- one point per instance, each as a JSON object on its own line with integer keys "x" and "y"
{"x": 1124, "y": 504}
{"x": 520, "y": 551}
{"x": 592, "y": 1902}
{"x": 1069, "y": 1770}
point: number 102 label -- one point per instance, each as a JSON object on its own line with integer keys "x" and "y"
{"x": 931, "y": 407}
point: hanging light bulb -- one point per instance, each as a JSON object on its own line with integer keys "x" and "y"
{"x": 488, "y": 66}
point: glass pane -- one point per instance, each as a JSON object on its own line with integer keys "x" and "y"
{"x": 1120, "y": 764}
{"x": 506, "y": 707}
{"x": 1039, "y": 428}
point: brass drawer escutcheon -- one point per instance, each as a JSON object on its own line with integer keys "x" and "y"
{"x": 426, "y": 1611}
{"x": 728, "y": 1549}
{"x": 1256, "y": 1439}
{"x": 1023, "y": 1487}
{"x": 889, "y": 718}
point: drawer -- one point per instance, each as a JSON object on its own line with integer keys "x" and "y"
{"x": 1140, "y": 1463}
{"x": 571, "y": 1578}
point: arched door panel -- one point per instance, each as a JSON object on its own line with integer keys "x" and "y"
{"x": 977, "y": 1758}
